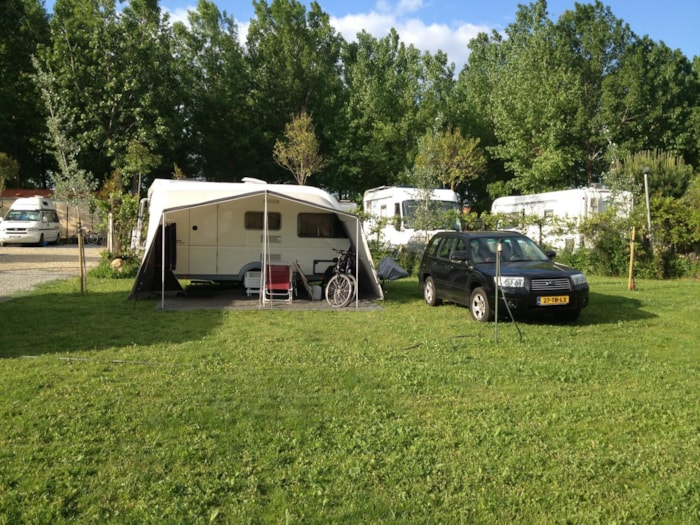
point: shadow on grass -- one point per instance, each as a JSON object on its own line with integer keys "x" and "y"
{"x": 61, "y": 323}
{"x": 602, "y": 309}
{"x": 612, "y": 309}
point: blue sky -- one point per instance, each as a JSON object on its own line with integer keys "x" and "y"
{"x": 450, "y": 24}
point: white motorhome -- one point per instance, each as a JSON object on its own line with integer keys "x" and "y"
{"x": 221, "y": 231}
{"x": 559, "y": 212}
{"x": 391, "y": 214}
{"x": 31, "y": 220}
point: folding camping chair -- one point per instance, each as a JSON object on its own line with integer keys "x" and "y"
{"x": 279, "y": 283}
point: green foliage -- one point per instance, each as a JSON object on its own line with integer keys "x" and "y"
{"x": 608, "y": 249}
{"x": 298, "y": 152}
{"x": 667, "y": 174}
{"x": 127, "y": 268}
{"x": 215, "y": 86}
{"x": 71, "y": 183}
{"x": 409, "y": 414}
{"x": 453, "y": 159}
{"x": 650, "y": 98}
{"x": 123, "y": 207}
{"x": 112, "y": 70}
{"x": 552, "y": 103}
{"x": 24, "y": 26}
{"x": 9, "y": 169}
{"x": 294, "y": 58}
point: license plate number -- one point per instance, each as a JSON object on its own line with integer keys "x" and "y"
{"x": 553, "y": 300}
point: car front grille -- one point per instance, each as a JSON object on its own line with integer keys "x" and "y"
{"x": 551, "y": 285}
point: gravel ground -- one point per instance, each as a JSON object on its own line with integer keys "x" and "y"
{"x": 22, "y": 268}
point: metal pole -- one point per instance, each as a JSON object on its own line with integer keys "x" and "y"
{"x": 162, "y": 264}
{"x": 630, "y": 281}
{"x": 499, "y": 248}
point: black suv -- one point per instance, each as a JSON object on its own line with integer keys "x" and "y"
{"x": 461, "y": 267}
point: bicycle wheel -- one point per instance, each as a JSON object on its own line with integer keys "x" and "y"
{"x": 92, "y": 238}
{"x": 340, "y": 290}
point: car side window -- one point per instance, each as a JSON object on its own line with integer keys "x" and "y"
{"x": 460, "y": 245}
{"x": 433, "y": 246}
{"x": 446, "y": 248}
{"x": 481, "y": 251}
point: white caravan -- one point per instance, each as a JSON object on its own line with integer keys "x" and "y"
{"x": 391, "y": 214}
{"x": 560, "y": 212}
{"x": 220, "y": 231}
{"x": 31, "y": 220}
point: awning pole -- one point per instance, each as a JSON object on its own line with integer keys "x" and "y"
{"x": 263, "y": 274}
{"x": 162, "y": 265}
{"x": 357, "y": 263}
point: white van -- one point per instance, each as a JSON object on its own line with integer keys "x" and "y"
{"x": 31, "y": 220}
{"x": 571, "y": 207}
{"x": 391, "y": 214}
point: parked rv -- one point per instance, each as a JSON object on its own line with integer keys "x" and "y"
{"x": 392, "y": 214}
{"x": 554, "y": 218}
{"x": 222, "y": 231}
{"x": 31, "y": 220}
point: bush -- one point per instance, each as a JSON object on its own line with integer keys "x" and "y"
{"x": 128, "y": 268}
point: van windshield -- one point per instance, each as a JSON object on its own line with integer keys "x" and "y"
{"x": 440, "y": 215}
{"x": 23, "y": 215}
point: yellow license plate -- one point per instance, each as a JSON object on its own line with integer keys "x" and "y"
{"x": 553, "y": 300}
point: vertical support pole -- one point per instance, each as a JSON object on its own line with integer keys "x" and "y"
{"x": 162, "y": 263}
{"x": 646, "y": 194}
{"x": 499, "y": 249}
{"x": 630, "y": 281}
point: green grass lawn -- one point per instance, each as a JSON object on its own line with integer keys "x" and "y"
{"x": 114, "y": 411}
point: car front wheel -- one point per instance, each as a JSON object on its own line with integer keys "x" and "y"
{"x": 429, "y": 292}
{"x": 479, "y": 306}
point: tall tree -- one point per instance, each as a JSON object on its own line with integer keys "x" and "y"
{"x": 294, "y": 60}
{"x": 394, "y": 95}
{"x": 24, "y": 25}
{"x": 474, "y": 114}
{"x": 543, "y": 87}
{"x": 649, "y": 102}
{"x": 215, "y": 81}
{"x": 112, "y": 71}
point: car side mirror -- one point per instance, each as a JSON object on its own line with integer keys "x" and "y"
{"x": 460, "y": 256}
{"x": 551, "y": 254}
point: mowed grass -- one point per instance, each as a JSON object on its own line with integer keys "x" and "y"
{"x": 114, "y": 411}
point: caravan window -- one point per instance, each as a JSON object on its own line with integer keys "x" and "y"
{"x": 254, "y": 220}
{"x": 320, "y": 225}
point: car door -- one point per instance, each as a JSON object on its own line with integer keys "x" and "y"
{"x": 441, "y": 267}
{"x": 458, "y": 273}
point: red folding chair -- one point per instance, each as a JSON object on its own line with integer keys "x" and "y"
{"x": 278, "y": 283}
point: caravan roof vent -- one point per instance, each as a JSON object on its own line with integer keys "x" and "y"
{"x": 253, "y": 180}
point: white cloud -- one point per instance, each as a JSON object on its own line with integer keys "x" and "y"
{"x": 179, "y": 14}
{"x": 449, "y": 38}
{"x": 452, "y": 40}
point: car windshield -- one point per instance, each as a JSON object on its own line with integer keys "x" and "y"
{"x": 516, "y": 248}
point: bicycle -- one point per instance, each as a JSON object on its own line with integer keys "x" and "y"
{"x": 340, "y": 289}
{"x": 92, "y": 238}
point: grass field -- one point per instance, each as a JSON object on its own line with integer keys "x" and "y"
{"x": 113, "y": 411}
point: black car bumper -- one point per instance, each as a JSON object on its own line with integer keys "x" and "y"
{"x": 524, "y": 302}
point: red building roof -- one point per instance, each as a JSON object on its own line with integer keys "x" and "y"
{"x": 16, "y": 193}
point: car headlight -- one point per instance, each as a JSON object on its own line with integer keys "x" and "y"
{"x": 578, "y": 278}
{"x": 510, "y": 282}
